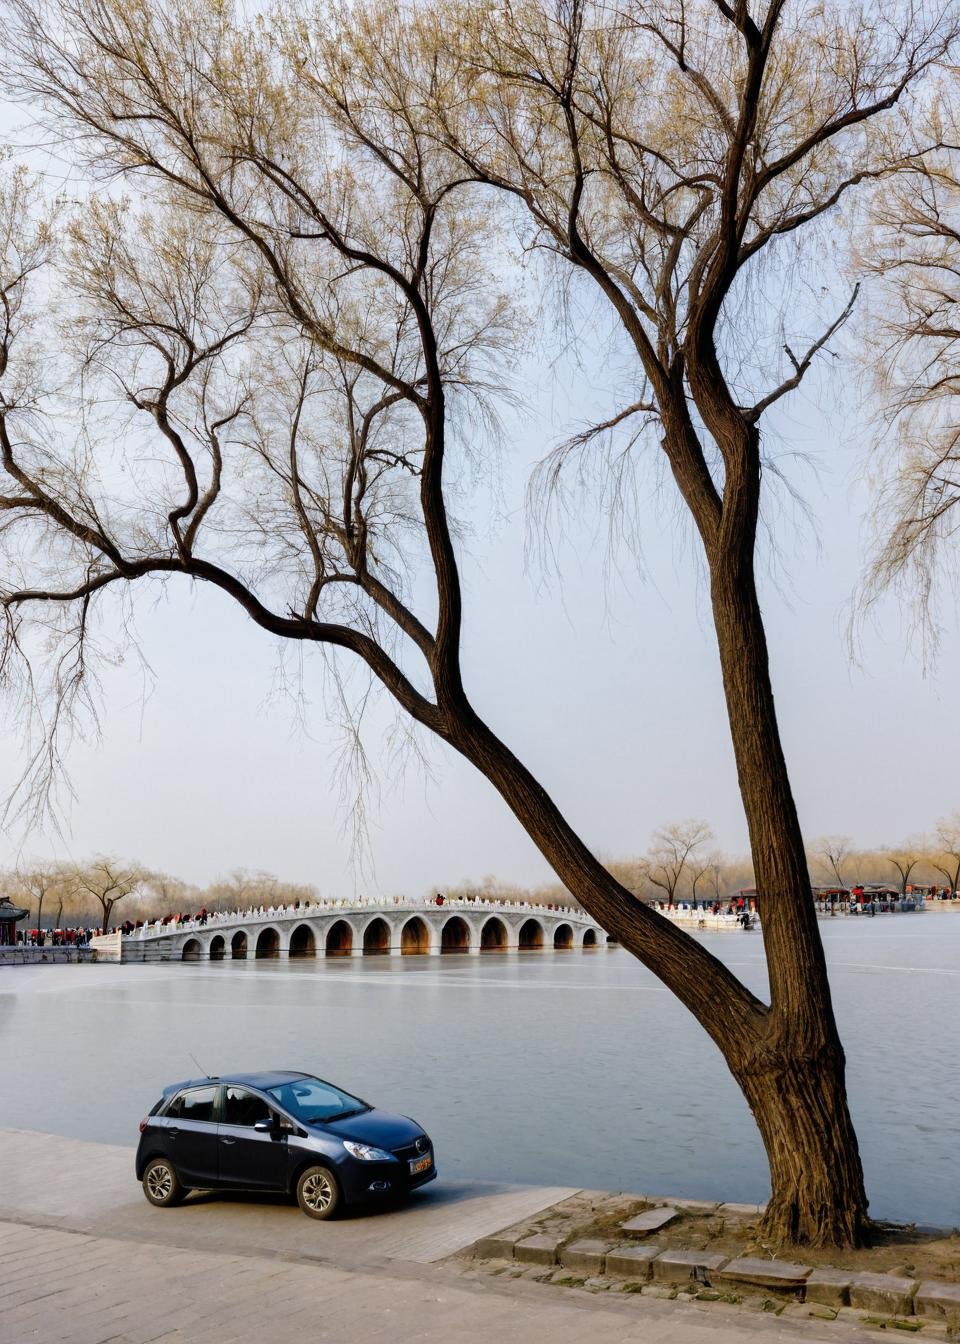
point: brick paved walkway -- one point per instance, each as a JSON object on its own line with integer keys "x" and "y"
{"x": 80, "y": 1289}
{"x": 85, "y": 1260}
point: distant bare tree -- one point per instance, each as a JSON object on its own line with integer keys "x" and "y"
{"x": 831, "y": 853}
{"x": 673, "y": 850}
{"x": 945, "y": 857}
{"x": 242, "y": 889}
{"x": 904, "y": 859}
{"x": 108, "y": 881}
{"x": 34, "y": 884}
{"x": 163, "y": 894}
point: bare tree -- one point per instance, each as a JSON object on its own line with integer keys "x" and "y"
{"x": 108, "y": 881}
{"x": 307, "y": 318}
{"x": 904, "y": 859}
{"x": 945, "y": 858}
{"x": 164, "y": 894}
{"x": 913, "y": 255}
{"x": 36, "y": 883}
{"x": 667, "y": 154}
{"x": 830, "y": 853}
{"x": 674, "y": 848}
{"x": 242, "y": 889}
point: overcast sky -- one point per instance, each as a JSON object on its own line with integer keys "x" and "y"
{"x": 605, "y": 683}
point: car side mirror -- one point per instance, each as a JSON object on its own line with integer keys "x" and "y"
{"x": 264, "y": 1126}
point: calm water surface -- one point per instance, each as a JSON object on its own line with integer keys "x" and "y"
{"x": 574, "y": 1068}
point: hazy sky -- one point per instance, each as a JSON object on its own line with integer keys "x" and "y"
{"x": 605, "y": 683}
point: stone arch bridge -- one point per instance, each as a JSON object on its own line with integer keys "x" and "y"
{"x": 368, "y": 928}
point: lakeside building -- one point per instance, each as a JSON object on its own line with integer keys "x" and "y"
{"x": 10, "y": 915}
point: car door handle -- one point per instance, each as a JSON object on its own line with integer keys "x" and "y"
{"x": 173, "y": 1132}
{"x": 225, "y": 1139}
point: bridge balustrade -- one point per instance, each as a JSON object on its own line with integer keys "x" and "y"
{"x": 365, "y": 927}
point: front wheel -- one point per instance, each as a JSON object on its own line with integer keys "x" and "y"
{"x": 318, "y": 1193}
{"x": 161, "y": 1185}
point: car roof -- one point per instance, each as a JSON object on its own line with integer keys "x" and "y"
{"x": 274, "y": 1078}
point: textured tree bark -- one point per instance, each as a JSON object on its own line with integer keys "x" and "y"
{"x": 799, "y": 1102}
{"x": 795, "y": 1082}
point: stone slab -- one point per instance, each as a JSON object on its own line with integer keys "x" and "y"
{"x": 742, "y": 1210}
{"x": 631, "y": 1262}
{"x": 830, "y": 1287}
{"x": 651, "y": 1220}
{"x": 695, "y": 1207}
{"x": 586, "y": 1255}
{"x": 766, "y": 1273}
{"x": 680, "y": 1266}
{"x": 882, "y": 1292}
{"x": 938, "y": 1299}
{"x": 538, "y": 1250}
{"x": 495, "y": 1248}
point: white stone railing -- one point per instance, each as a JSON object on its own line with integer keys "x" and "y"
{"x": 317, "y": 909}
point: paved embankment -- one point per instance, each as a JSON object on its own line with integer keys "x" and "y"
{"x": 85, "y": 1260}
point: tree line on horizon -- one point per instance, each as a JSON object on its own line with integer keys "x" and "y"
{"x": 681, "y": 864}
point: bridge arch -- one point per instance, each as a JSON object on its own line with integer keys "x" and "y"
{"x": 563, "y": 938}
{"x": 339, "y": 940}
{"x": 303, "y": 942}
{"x": 531, "y": 935}
{"x": 415, "y": 937}
{"x": 589, "y": 938}
{"x": 218, "y": 947}
{"x": 192, "y": 950}
{"x": 455, "y": 935}
{"x": 238, "y": 945}
{"x": 376, "y": 937}
{"x": 268, "y": 944}
{"x": 493, "y": 935}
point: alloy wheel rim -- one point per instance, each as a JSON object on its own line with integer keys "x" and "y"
{"x": 317, "y": 1192}
{"x": 160, "y": 1182}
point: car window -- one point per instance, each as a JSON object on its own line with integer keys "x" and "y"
{"x": 311, "y": 1100}
{"x": 197, "y": 1103}
{"x": 244, "y": 1108}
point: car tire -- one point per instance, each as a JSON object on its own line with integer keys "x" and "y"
{"x": 161, "y": 1184}
{"x": 318, "y": 1193}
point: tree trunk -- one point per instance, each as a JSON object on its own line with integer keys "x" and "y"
{"x": 795, "y": 1085}
{"x": 790, "y": 1069}
{"x": 799, "y": 1103}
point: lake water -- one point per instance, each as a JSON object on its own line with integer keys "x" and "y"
{"x": 570, "y": 1068}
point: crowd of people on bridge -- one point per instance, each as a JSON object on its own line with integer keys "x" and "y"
{"x": 173, "y": 923}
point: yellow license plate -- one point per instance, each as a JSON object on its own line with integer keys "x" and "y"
{"x": 421, "y": 1164}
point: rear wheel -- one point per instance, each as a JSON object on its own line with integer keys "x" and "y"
{"x": 161, "y": 1185}
{"x": 318, "y": 1193}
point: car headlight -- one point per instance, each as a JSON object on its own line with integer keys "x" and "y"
{"x": 366, "y": 1153}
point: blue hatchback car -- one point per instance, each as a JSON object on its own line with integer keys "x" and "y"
{"x": 282, "y": 1131}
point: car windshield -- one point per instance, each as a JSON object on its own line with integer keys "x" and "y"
{"x": 315, "y": 1102}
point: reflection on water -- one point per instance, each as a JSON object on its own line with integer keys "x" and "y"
{"x": 574, "y": 1068}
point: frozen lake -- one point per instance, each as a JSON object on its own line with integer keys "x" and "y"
{"x": 555, "y": 1068}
